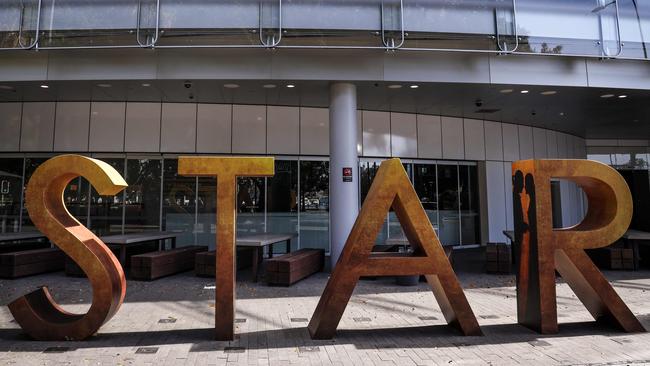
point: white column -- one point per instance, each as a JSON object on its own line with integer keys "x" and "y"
{"x": 344, "y": 192}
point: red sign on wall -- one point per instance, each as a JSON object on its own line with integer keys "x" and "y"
{"x": 347, "y": 175}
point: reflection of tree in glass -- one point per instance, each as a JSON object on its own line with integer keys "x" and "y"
{"x": 314, "y": 183}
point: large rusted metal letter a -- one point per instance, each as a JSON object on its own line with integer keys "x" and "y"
{"x": 392, "y": 187}
{"x": 225, "y": 170}
{"x": 545, "y": 250}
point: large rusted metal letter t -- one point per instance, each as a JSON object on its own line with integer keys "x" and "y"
{"x": 225, "y": 170}
{"x": 545, "y": 249}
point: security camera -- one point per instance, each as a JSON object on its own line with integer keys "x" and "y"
{"x": 478, "y": 103}
{"x": 187, "y": 84}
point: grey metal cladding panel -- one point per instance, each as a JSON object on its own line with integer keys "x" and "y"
{"x": 619, "y": 74}
{"x": 23, "y": 65}
{"x": 10, "y": 118}
{"x": 214, "y": 63}
{"x": 37, "y": 132}
{"x": 436, "y": 67}
{"x": 493, "y": 141}
{"x": 102, "y": 64}
{"x": 537, "y": 70}
{"x": 330, "y": 64}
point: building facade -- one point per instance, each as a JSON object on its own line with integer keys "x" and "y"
{"x": 457, "y": 89}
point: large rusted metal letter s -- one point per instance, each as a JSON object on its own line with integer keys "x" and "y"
{"x": 392, "y": 187}
{"x": 36, "y": 312}
{"x": 225, "y": 170}
{"x": 545, "y": 250}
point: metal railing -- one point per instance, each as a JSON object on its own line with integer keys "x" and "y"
{"x": 274, "y": 39}
{"x": 21, "y": 20}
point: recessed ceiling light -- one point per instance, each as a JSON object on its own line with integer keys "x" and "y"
{"x": 6, "y": 87}
{"x": 231, "y": 86}
{"x": 414, "y": 86}
{"x": 146, "y": 85}
{"x": 549, "y": 92}
{"x": 506, "y": 91}
{"x": 607, "y": 95}
{"x": 622, "y": 96}
{"x": 291, "y": 86}
{"x": 561, "y": 113}
{"x": 524, "y": 92}
{"x": 45, "y": 86}
{"x": 104, "y": 85}
{"x": 269, "y": 86}
{"x": 394, "y": 86}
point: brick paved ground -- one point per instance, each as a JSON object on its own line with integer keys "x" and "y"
{"x": 384, "y": 324}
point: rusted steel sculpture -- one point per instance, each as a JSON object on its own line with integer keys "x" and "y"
{"x": 545, "y": 250}
{"x": 36, "y": 312}
{"x": 392, "y": 188}
{"x": 226, "y": 170}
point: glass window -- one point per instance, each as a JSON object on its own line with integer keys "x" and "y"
{"x": 106, "y": 211}
{"x": 470, "y": 220}
{"x": 448, "y": 203}
{"x": 394, "y": 226}
{"x": 426, "y": 186}
{"x": 314, "y": 204}
{"x": 75, "y": 197}
{"x": 282, "y": 199}
{"x": 142, "y": 205}
{"x": 367, "y": 172}
{"x": 30, "y": 167}
{"x": 206, "y": 218}
{"x": 11, "y": 190}
{"x": 603, "y": 158}
{"x": 251, "y": 205}
{"x": 179, "y": 202}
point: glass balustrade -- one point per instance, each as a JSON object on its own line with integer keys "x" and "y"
{"x": 594, "y": 28}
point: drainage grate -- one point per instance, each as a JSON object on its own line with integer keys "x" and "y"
{"x": 167, "y": 321}
{"x": 56, "y": 350}
{"x": 146, "y": 350}
{"x": 240, "y": 320}
{"x": 234, "y": 350}
{"x": 427, "y": 318}
{"x": 361, "y": 320}
{"x": 299, "y": 320}
{"x": 489, "y": 317}
{"x": 308, "y": 349}
{"x": 539, "y": 344}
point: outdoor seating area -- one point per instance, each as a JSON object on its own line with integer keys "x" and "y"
{"x": 146, "y": 256}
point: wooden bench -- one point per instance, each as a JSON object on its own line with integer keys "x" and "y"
{"x": 290, "y": 268}
{"x": 205, "y": 263}
{"x": 72, "y": 269}
{"x": 498, "y": 258}
{"x": 31, "y": 262}
{"x": 150, "y": 266}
